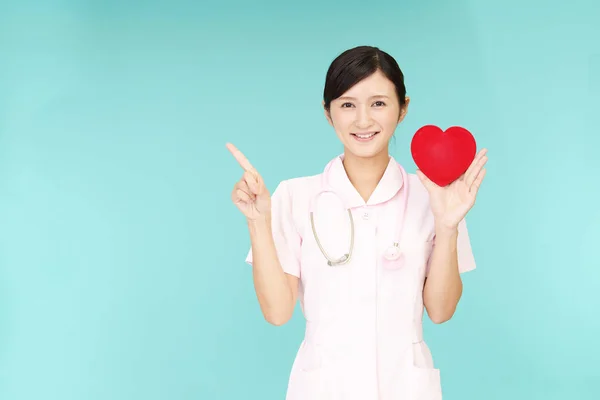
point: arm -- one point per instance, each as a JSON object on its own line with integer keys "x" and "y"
{"x": 276, "y": 290}
{"x": 443, "y": 286}
{"x": 276, "y": 287}
{"x": 449, "y": 205}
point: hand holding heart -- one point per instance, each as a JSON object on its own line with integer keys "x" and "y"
{"x": 250, "y": 194}
{"x": 451, "y": 203}
{"x": 449, "y": 169}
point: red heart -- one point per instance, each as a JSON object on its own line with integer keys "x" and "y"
{"x": 443, "y": 156}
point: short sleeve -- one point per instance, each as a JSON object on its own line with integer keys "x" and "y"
{"x": 285, "y": 235}
{"x": 466, "y": 259}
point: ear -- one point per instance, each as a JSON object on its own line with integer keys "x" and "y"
{"x": 327, "y": 114}
{"x": 404, "y": 109}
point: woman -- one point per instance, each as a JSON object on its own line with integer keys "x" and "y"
{"x": 328, "y": 249}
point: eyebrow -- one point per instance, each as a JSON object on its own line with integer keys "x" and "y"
{"x": 380, "y": 96}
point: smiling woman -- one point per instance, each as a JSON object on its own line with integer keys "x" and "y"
{"x": 365, "y": 99}
{"x": 363, "y": 282}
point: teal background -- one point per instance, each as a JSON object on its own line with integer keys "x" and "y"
{"x": 122, "y": 270}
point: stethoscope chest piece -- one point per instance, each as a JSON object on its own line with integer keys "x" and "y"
{"x": 393, "y": 257}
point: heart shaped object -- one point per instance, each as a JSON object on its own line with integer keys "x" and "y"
{"x": 443, "y": 156}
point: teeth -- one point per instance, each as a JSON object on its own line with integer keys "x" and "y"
{"x": 366, "y": 136}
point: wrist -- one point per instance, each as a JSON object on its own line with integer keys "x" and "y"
{"x": 445, "y": 230}
{"x": 260, "y": 223}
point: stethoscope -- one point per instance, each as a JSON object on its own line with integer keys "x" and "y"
{"x": 393, "y": 257}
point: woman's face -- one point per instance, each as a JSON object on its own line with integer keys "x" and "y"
{"x": 366, "y": 116}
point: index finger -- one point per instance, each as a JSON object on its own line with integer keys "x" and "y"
{"x": 241, "y": 159}
{"x": 476, "y": 165}
{"x": 476, "y": 159}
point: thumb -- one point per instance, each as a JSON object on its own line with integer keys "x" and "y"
{"x": 261, "y": 191}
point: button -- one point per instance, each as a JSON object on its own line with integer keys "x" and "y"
{"x": 366, "y": 216}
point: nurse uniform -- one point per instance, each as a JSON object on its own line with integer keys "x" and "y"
{"x": 363, "y": 338}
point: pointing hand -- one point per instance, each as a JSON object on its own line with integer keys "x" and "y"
{"x": 250, "y": 194}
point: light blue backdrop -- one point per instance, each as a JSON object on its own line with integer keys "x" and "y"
{"x": 121, "y": 255}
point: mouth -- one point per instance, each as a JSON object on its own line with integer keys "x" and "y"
{"x": 364, "y": 137}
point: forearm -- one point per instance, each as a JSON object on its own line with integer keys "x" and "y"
{"x": 273, "y": 290}
{"x": 443, "y": 287}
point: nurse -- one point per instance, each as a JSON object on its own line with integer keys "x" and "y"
{"x": 364, "y": 247}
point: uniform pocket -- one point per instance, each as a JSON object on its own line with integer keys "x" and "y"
{"x": 306, "y": 379}
{"x": 425, "y": 379}
{"x": 416, "y": 251}
{"x": 309, "y": 358}
{"x": 305, "y": 385}
{"x": 425, "y": 384}
{"x": 413, "y": 383}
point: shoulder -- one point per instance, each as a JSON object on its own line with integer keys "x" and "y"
{"x": 417, "y": 191}
{"x": 297, "y": 187}
{"x": 419, "y": 208}
{"x": 291, "y": 201}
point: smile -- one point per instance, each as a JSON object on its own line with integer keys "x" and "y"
{"x": 364, "y": 137}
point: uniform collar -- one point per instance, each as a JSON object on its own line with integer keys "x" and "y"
{"x": 389, "y": 185}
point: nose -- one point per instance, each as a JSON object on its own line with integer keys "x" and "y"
{"x": 363, "y": 118}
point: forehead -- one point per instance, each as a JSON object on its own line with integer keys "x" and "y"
{"x": 376, "y": 84}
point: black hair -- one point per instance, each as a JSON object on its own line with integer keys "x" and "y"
{"x": 356, "y": 64}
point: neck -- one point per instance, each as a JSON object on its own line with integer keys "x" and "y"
{"x": 365, "y": 173}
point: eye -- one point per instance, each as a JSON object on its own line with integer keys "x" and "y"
{"x": 346, "y": 105}
{"x": 379, "y": 104}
